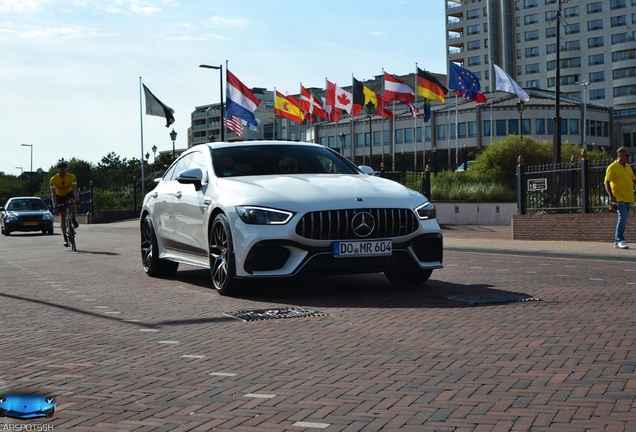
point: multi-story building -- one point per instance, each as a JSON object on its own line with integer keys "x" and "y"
{"x": 596, "y": 52}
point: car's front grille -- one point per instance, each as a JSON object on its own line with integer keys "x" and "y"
{"x": 336, "y": 224}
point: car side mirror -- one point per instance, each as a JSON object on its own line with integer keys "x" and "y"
{"x": 367, "y": 170}
{"x": 192, "y": 176}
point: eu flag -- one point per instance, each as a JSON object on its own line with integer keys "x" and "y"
{"x": 464, "y": 81}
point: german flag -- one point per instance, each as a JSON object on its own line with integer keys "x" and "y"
{"x": 429, "y": 87}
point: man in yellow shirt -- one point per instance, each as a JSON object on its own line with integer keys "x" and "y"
{"x": 619, "y": 184}
{"x": 64, "y": 191}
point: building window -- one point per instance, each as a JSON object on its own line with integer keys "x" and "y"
{"x": 572, "y": 28}
{"x": 551, "y": 48}
{"x": 571, "y": 12}
{"x": 427, "y": 133}
{"x": 472, "y": 129}
{"x": 623, "y": 55}
{"x": 533, "y": 52}
{"x": 486, "y": 127}
{"x": 574, "y": 126}
{"x": 540, "y": 125}
{"x": 408, "y": 135}
{"x": 533, "y": 68}
{"x": 461, "y": 127}
{"x": 573, "y": 45}
{"x": 472, "y": 61}
{"x": 533, "y": 84}
{"x": 619, "y": 21}
{"x": 597, "y": 76}
{"x": 527, "y": 4}
{"x": 399, "y": 136}
{"x": 595, "y": 25}
{"x": 622, "y": 73}
{"x": 595, "y": 42}
{"x": 474, "y": 45}
{"x": 531, "y": 19}
{"x": 473, "y": 29}
{"x": 500, "y": 128}
{"x": 550, "y": 32}
{"x": 550, "y": 15}
{"x": 597, "y": 59}
{"x": 595, "y": 7}
{"x": 617, "y": 4}
{"x": 441, "y": 132}
{"x": 531, "y": 35}
{"x": 597, "y": 94}
{"x": 472, "y": 14}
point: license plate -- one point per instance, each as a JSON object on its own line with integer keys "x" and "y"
{"x": 362, "y": 248}
{"x": 31, "y": 223}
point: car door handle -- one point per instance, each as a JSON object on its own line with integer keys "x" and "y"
{"x": 154, "y": 195}
{"x": 207, "y": 202}
{"x": 178, "y": 194}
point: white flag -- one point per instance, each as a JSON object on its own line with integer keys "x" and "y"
{"x": 508, "y": 85}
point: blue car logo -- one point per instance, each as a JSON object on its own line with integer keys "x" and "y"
{"x": 27, "y": 406}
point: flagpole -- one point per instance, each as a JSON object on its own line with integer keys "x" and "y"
{"x": 456, "y": 133}
{"x": 415, "y": 123}
{"x": 449, "y": 134}
{"x": 141, "y": 128}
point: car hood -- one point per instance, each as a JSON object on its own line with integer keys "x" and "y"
{"x": 26, "y": 213}
{"x": 318, "y": 192}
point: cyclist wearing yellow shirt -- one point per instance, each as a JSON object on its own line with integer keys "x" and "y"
{"x": 64, "y": 191}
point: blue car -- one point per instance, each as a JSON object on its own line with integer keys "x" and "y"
{"x": 26, "y": 214}
{"x": 27, "y": 406}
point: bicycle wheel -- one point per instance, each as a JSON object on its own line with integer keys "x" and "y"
{"x": 70, "y": 233}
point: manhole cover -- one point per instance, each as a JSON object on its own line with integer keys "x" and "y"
{"x": 268, "y": 314}
{"x": 477, "y": 299}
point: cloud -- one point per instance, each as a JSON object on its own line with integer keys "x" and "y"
{"x": 22, "y": 6}
{"x": 217, "y": 21}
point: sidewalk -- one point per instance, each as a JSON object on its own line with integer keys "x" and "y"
{"x": 498, "y": 240}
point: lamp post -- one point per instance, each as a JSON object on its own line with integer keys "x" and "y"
{"x": 342, "y": 142}
{"x": 220, "y": 69}
{"x": 370, "y": 113}
{"x": 21, "y": 178}
{"x": 173, "y": 137}
{"x": 154, "y": 153}
{"x": 520, "y": 106}
{"x": 31, "y": 169}
{"x": 584, "y": 85}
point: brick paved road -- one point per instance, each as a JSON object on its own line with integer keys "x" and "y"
{"x": 124, "y": 352}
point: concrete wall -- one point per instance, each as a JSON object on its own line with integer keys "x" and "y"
{"x": 466, "y": 213}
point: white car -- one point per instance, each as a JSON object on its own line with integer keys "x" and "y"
{"x": 267, "y": 209}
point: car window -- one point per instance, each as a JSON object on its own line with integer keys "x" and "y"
{"x": 278, "y": 159}
{"x": 198, "y": 161}
{"x": 181, "y": 164}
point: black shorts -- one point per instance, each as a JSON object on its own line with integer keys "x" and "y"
{"x": 64, "y": 199}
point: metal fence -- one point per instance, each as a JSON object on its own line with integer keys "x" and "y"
{"x": 568, "y": 187}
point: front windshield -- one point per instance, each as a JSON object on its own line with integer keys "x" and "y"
{"x": 278, "y": 159}
{"x": 29, "y": 204}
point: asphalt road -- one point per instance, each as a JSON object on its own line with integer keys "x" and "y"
{"x": 125, "y": 352}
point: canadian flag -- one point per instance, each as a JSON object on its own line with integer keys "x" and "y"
{"x": 338, "y": 99}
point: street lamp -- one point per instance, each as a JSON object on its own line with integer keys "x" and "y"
{"x": 370, "y": 113}
{"x": 584, "y": 85}
{"x": 220, "y": 69}
{"x": 173, "y": 137}
{"x": 31, "y": 173}
{"x": 154, "y": 153}
{"x": 520, "y": 106}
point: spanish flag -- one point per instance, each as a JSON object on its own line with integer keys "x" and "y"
{"x": 288, "y": 107}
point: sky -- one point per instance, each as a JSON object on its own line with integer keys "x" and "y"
{"x": 71, "y": 69}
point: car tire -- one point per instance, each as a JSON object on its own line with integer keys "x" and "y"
{"x": 222, "y": 268}
{"x": 6, "y": 232}
{"x": 408, "y": 277}
{"x": 153, "y": 266}
{"x": 50, "y": 232}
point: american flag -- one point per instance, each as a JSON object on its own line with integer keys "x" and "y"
{"x": 234, "y": 124}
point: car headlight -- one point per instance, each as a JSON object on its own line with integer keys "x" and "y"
{"x": 263, "y": 216}
{"x": 10, "y": 217}
{"x": 426, "y": 211}
{"x": 47, "y": 216}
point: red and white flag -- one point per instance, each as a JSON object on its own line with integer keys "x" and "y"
{"x": 396, "y": 90}
{"x": 338, "y": 99}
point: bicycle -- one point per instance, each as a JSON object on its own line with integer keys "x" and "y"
{"x": 70, "y": 229}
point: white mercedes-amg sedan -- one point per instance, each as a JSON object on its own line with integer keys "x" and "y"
{"x": 275, "y": 209}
